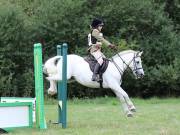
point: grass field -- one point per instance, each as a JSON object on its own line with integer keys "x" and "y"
{"x": 104, "y": 116}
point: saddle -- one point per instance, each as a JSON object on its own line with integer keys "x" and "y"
{"x": 92, "y": 62}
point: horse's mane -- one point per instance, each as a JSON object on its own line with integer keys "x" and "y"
{"x": 124, "y": 52}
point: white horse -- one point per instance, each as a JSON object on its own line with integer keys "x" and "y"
{"x": 78, "y": 68}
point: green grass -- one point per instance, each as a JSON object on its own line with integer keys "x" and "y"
{"x": 104, "y": 116}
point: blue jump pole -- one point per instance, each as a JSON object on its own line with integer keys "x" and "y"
{"x": 62, "y": 87}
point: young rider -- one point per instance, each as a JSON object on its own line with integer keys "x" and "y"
{"x": 95, "y": 41}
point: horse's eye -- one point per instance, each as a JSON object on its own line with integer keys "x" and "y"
{"x": 137, "y": 62}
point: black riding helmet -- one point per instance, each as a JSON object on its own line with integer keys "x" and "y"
{"x": 96, "y": 22}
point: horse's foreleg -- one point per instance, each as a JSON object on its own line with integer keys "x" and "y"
{"x": 55, "y": 77}
{"x": 128, "y": 101}
{"x": 120, "y": 94}
{"x": 53, "y": 87}
{"x": 130, "y": 104}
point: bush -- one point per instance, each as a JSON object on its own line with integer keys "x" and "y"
{"x": 131, "y": 24}
{"x": 13, "y": 55}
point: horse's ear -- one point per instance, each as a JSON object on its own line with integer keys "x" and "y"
{"x": 139, "y": 53}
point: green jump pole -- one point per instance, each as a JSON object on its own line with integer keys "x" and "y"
{"x": 62, "y": 87}
{"x": 39, "y": 91}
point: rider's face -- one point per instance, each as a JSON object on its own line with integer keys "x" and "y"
{"x": 100, "y": 27}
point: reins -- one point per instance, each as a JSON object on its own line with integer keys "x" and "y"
{"x": 122, "y": 70}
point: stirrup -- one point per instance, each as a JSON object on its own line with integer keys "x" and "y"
{"x": 99, "y": 79}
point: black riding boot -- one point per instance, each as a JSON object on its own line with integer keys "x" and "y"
{"x": 95, "y": 73}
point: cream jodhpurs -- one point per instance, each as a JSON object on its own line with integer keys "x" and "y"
{"x": 98, "y": 55}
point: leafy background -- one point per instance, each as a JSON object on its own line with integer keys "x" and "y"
{"x": 149, "y": 25}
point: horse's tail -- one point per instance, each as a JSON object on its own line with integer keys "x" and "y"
{"x": 50, "y": 65}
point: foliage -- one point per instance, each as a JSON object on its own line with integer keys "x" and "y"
{"x": 13, "y": 51}
{"x": 151, "y": 26}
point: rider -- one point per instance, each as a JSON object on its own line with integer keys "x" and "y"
{"x": 95, "y": 41}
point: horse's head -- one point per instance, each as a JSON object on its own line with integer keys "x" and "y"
{"x": 136, "y": 65}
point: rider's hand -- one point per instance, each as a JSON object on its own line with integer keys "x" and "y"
{"x": 112, "y": 46}
{"x": 98, "y": 46}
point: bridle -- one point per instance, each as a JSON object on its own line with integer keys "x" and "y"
{"x": 135, "y": 69}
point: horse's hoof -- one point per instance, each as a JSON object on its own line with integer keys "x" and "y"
{"x": 51, "y": 93}
{"x": 132, "y": 109}
{"x": 129, "y": 114}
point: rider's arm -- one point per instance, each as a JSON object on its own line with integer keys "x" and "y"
{"x": 100, "y": 38}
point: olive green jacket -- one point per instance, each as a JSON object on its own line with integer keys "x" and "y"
{"x": 98, "y": 35}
